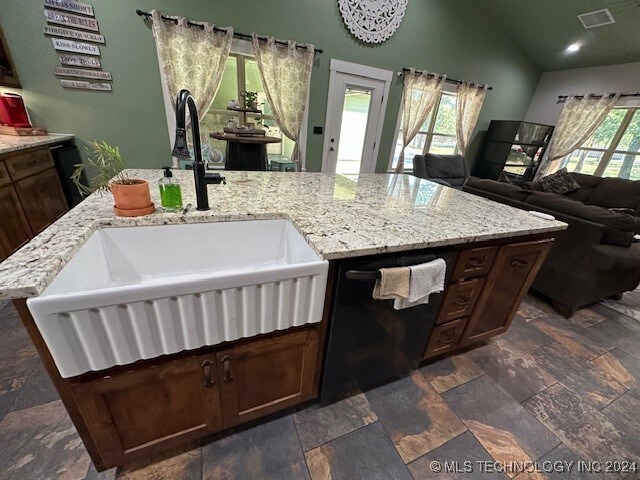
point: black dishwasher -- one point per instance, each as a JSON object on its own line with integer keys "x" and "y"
{"x": 369, "y": 342}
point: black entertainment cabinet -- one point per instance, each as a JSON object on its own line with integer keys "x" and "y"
{"x": 513, "y": 147}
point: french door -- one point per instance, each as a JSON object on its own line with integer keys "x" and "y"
{"x": 355, "y": 115}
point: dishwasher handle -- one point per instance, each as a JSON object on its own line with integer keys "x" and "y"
{"x": 362, "y": 275}
{"x": 373, "y": 275}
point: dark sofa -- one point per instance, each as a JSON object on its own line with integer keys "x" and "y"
{"x": 596, "y": 257}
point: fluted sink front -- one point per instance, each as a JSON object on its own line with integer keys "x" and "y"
{"x": 140, "y": 292}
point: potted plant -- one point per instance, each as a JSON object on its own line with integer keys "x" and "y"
{"x": 250, "y": 99}
{"x": 131, "y": 195}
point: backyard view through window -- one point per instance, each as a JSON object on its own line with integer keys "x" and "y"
{"x": 240, "y": 73}
{"x": 437, "y": 135}
{"x": 613, "y": 150}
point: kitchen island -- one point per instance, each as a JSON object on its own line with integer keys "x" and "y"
{"x": 132, "y": 410}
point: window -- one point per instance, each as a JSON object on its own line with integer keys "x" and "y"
{"x": 613, "y": 150}
{"x": 240, "y": 73}
{"x": 437, "y": 135}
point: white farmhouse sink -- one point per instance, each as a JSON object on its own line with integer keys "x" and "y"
{"x": 141, "y": 292}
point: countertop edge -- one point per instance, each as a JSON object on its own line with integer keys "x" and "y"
{"x": 33, "y": 141}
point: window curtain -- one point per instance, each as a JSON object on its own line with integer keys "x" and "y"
{"x": 420, "y": 93}
{"x": 285, "y": 73}
{"x": 468, "y": 105}
{"x": 191, "y": 58}
{"x": 578, "y": 120}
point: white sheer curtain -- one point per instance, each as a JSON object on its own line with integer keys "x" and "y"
{"x": 191, "y": 58}
{"x": 285, "y": 73}
{"x": 579, "y": 119}
{"x": 468, "y": 105}
{"x": 420, "y": 93}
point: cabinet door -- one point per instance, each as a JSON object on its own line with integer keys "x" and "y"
{"x": 133, "y": 413}
{"x": 42, "y": 199}
{"x": 265, "y": 376}
{"x": 510, "y": 277}
{"x": 14, "y": 229}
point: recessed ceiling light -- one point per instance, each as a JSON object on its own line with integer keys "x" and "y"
{"x": 574, "y": 47}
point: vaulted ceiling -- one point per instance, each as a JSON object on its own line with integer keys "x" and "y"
{"x": 543, "y": 29}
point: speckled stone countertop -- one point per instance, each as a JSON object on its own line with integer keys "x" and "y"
{"x": 339, "y": 217}
{"x": 10, "y": 143}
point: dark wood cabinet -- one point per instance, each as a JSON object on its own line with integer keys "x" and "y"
{"x": 459, "y": 299}
{"x": 42, "y": 199}
{"x": 509, "y": 279}
{"x": 265, "y": 376}
{"x": 14, "y": 228}
{"x": 31, "y": 197}
{"x": 485, "y": 290}
{"x": 132, "y": 412}
{"x": 163, "y": 403}
{"x": 445, "y": 338}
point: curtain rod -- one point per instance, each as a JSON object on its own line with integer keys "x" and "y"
{"x": 242, "y": 36}
{"x": 563, "y": 98}
{"x": 449, "y": 80}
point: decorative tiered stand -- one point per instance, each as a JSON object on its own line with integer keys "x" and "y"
{"x": 246, "y": 148}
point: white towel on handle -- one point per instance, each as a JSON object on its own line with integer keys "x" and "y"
{"x": 426, "y": 278}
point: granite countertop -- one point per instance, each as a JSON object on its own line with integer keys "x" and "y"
{"x": 339, "y": 217}
{"x": 11, "y": 143}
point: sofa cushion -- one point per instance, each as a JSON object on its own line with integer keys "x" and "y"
{"x": 498, "y": 188}
{"x": 445, "y": 166}
{"x": 619, "y": 227}
{"x": 584, "y": 180}
{"x": 533, "y": 186}
{"x": 560, "y": 182}
{"x": 616, "y": 193}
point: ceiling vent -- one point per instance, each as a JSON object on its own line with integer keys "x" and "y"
{"x": 596, "y": 19}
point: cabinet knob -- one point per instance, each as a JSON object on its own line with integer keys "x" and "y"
{"x": 206, "y": 373}
{"x": 226, "y": 365}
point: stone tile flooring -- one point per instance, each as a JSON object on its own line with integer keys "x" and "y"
{"x": 548, "y": 390}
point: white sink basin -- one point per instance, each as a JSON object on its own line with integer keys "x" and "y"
{"x": 141, "y": 292}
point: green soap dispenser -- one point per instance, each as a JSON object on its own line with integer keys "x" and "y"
{"x": 170, "y": 192}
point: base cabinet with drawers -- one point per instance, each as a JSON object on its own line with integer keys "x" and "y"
{"x": 485, "y": 291}
{"x": 31, "y": 197}
{"x": 133, "y": 412}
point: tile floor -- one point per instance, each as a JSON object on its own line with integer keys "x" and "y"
{"x": 549, "y": 390}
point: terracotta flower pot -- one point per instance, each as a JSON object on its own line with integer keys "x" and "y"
{"x": 132, "y": 200}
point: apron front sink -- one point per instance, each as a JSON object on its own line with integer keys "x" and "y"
{"x": 140, "y": 292}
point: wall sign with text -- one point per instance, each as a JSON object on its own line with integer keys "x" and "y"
{"x": 74, "y": 32}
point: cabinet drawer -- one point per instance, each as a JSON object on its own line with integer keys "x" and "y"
{"x": 445, "y": 338}
{"x": 23, "y": 165}
{"x": 474, "y": 262}
{"x": 4, "y": 175}
{"x": 459, "y": 299}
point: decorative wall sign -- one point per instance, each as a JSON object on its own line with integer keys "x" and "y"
{"x": 372, "y": 21}
{"x": 78, "y": 61}
{"x": 77, "y": 47}
{"x": 70, "y": 6}
{"x": 60, "y": 18}
{"x": 79, "y": 72}
{"x": 78, "y": 35}
{"x": 82, "y": 85}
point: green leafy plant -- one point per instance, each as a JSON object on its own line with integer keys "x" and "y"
{"x": 250, "y": 99}
{"x": 107, "y": 166}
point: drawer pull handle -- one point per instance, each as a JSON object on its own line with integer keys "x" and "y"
{"x": 206, "y": 371}
{"x": 476, "y": 262}
{"x": 519, "y": 263}
{"x": 448, "y": 338}
{"x": 461, "y": 301}
{"x": 226, "y": 365}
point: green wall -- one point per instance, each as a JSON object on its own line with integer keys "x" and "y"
{"x": 447, "y": 36}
